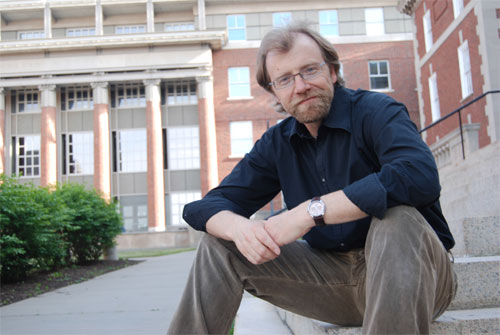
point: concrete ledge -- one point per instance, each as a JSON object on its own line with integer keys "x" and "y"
{"x": 256, "y": 316}
{"x": 152, "y": 240}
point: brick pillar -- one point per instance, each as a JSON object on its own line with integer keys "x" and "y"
{"x": 102, "y": 159}
{"x": 2, "y": 130}
{"x": 208, "y": 145}
{"x": 156, "y": 188}
{"x": 48, "y": 145}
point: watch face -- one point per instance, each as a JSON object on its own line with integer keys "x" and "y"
{"x": 316, "y": 208}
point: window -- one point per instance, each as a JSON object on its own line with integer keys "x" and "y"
{"x": 27, "y": 101}
{"x": 129, "y": 95}
{"x": 181, "y": 93}
{"x": 427, "y": 31}
{"x": 239, "y": 82}
{"x": 183, "y": 148}
{"x": 76, "y": 98}
{"x": 78, "y": 154}
{"x": 458, "y": 7}
{"x": 465, "y": 70}
{"x": 379, "y": 75}
{"x": 434, "y": 97}
{"x": 134, "y": 210}
{"x": 31, "y": 35}
{"x": 178, "y": 200}
{"x": 132, "y": 150}
{"x": 374, "y": 21}
{"x": 328, "y": 23}
{"x": 130, "y": 29}
{"x": 28, "y": 156}
{"x": 236, "y": 28}
{"x": 281, "y": 19}
{"x": 241, "y": 137}
{"x": 77, "y": 32}
{"x": 179, "y": 26}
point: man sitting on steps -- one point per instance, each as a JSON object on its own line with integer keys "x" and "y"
{"x": 362, "y": 190}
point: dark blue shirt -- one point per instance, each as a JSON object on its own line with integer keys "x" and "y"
{"x": 367, "y": 146}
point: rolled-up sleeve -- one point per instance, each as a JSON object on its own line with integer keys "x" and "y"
{"x": 407, "y": 172}
{"x": 252, "y": 183}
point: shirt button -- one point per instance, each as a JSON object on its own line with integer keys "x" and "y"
{"x": 341, "y": 244}
{"x": 323, "y": 180}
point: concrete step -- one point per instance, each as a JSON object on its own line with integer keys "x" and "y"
{"x": 473, "y": 321}
{"x": 476, "y": 236}
{"x": 478, "y": 282}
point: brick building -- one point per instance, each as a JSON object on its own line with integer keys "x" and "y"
{"x": 457, "y": 48}
{"x": 153, "y": 102}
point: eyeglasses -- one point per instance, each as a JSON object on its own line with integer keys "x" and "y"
{"x": 307, "y": 73}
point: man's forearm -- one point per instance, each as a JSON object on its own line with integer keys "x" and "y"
{"x": 221, "y": 224}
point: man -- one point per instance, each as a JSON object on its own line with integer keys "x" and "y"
{"x": 361, "y": 188}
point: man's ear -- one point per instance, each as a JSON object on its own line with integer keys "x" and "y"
{"x": 333, "y": 74}
{"x": 277, "y": 106}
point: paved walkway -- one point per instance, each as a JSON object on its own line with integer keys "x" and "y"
{"x": 139, "y": 299}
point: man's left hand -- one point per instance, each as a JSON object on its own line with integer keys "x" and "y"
{"x": 287, "y": 227}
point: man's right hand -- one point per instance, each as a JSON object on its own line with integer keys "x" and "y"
{"x": 250, "y": 236}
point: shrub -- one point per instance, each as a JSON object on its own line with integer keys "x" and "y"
{"x": 94, "y": 223}
{"x": 32, "y": 222}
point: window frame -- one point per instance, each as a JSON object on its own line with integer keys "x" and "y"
{"x": 231, "y": 84}
{"x": 141, "y": 165}
{"x": 180, "y": 156}
{"x": 38, "y": 34}
{"x": 329, "y": 22}
{"x": 25, "y": 93}
{"x": 375, "y": 27}
{"x": 189, "y": 26}
{"x": 434, "y": 97}
{"x": 176, "y": 98}
{"x": 458, "y": 7}
{"x": 231, "y": 29}
{"x": 378, "y": 75}
{"x": 33, "y": 157}
{"x": 141, "y": 28}
{"x": 465, "y": 69}
{"x": 139, "y": 96}
{"x": 240, "y": 138}
{"x": 69, "y": 152}
{"x": 427, "y": 27}
{"x": 84, "y": 31}
{"x": 75, "y": 91}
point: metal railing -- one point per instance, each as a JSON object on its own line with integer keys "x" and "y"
{"x": 457, "y": 111}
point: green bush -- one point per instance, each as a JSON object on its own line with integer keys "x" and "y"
{"x": 94, "y": 223}
{"x": 32, "y": 223}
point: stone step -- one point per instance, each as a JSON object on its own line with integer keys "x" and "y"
{"x": 473, "y": 321}
{"x": 476, "y": 236}
{"x": 478, "y": 282}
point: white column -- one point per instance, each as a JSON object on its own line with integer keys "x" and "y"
{"x": 150, "y": 16}
{"x": 48, "y": 143}
{"x": 47, "y": 20}
{"x": 202, "y": 23}
{"x": 98, "y": 18}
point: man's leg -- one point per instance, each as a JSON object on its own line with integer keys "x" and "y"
{"x": 409, "y": 277}
{"x": 322, "y": 285}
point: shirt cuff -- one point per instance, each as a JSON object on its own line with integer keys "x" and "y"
{"x": 369, "y": 195}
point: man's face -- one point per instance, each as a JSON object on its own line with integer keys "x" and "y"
{"x": 308, "y": 101}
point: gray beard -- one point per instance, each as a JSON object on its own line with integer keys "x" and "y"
{"x": 317, "y": 112}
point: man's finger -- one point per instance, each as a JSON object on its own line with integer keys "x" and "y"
{"x": 266, "y": 239}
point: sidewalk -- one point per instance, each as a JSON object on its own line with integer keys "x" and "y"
{"x": 139, "y": 299}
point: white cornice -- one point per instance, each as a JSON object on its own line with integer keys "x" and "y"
{"x": 216, "y": 39}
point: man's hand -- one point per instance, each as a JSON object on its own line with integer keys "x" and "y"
{"x": 254, "y": 242}
{"x": 288, "y": 227}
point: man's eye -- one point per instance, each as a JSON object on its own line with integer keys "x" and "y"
{"x": 310, "y": 70}
{"x": 284, "y": 80}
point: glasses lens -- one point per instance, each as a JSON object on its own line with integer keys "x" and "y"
{"x": 310, "y": 71}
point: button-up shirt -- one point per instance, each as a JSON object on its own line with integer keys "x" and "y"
{"x": 367, "y": 146}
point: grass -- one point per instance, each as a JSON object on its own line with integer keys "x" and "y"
{"x": 150, "y": 252}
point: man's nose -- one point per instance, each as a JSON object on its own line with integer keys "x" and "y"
{"x": 301, "y": 85}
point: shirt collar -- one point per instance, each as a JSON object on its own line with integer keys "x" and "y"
{"x": 338, "y": 116}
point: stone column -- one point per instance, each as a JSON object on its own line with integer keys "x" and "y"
{"x": 2, "y": 130}
{"x": 98, "y": 18}
{"x": 47, "y": 20}
{"x": 202, "y": 22}
{"x": 102, "y": 159}
{"x": 150, "y": 16}
{"x": 156, "y": 187}
{"x": 48, "y": 143}
{"x": 208, "y": 145}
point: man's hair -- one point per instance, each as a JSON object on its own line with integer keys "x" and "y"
{"x": 282, "y": 39}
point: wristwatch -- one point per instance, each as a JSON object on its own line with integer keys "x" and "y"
{"x": 316, "y": 209}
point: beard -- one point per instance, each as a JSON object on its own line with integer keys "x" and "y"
{"x": 315, "y": 111}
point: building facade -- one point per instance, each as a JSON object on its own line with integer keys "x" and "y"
{"x": 153, "y": 102}
{"x": 457, "y": 47}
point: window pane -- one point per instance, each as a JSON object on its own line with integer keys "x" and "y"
{"x": 132, "y": 150}
{"x": 241, "y": 134}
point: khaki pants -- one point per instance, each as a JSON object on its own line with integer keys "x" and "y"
{"x": 397, "y": 284}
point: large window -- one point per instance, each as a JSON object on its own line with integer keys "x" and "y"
{"x": 374, "y": 18}
{"x": 458, "y": 7}
{"x": 427, "y": 30}
{"x": 76, "y": 98}
{"x": 183, "y": 145}
{"x": 281, "y": 19}
{"x": 181, "y": 93}
{"x": 130, "y": 29}
{"x": 128, "y": 95}
{"x": 241, "y": 137}
{"x": 177, "y": 202}
{"x": 434, "y": 97}
{"x": 465, "y": 69}
{"x": 379, "y": 75}
{"x": 27, "y": 156}
{"x": 78, "y": 154}
{"x": 239, "y": 82}
{"x": 236, "y": 28}
{"x": 77, "y": 32}
{"x": 26, "y": 101}
{"x": 31, "y": 35}
{"x": 132, "y": 150}
{"x": 179, "y": 26}
{"x": 328, "y": 23}
{"x": 134, "y": 210}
